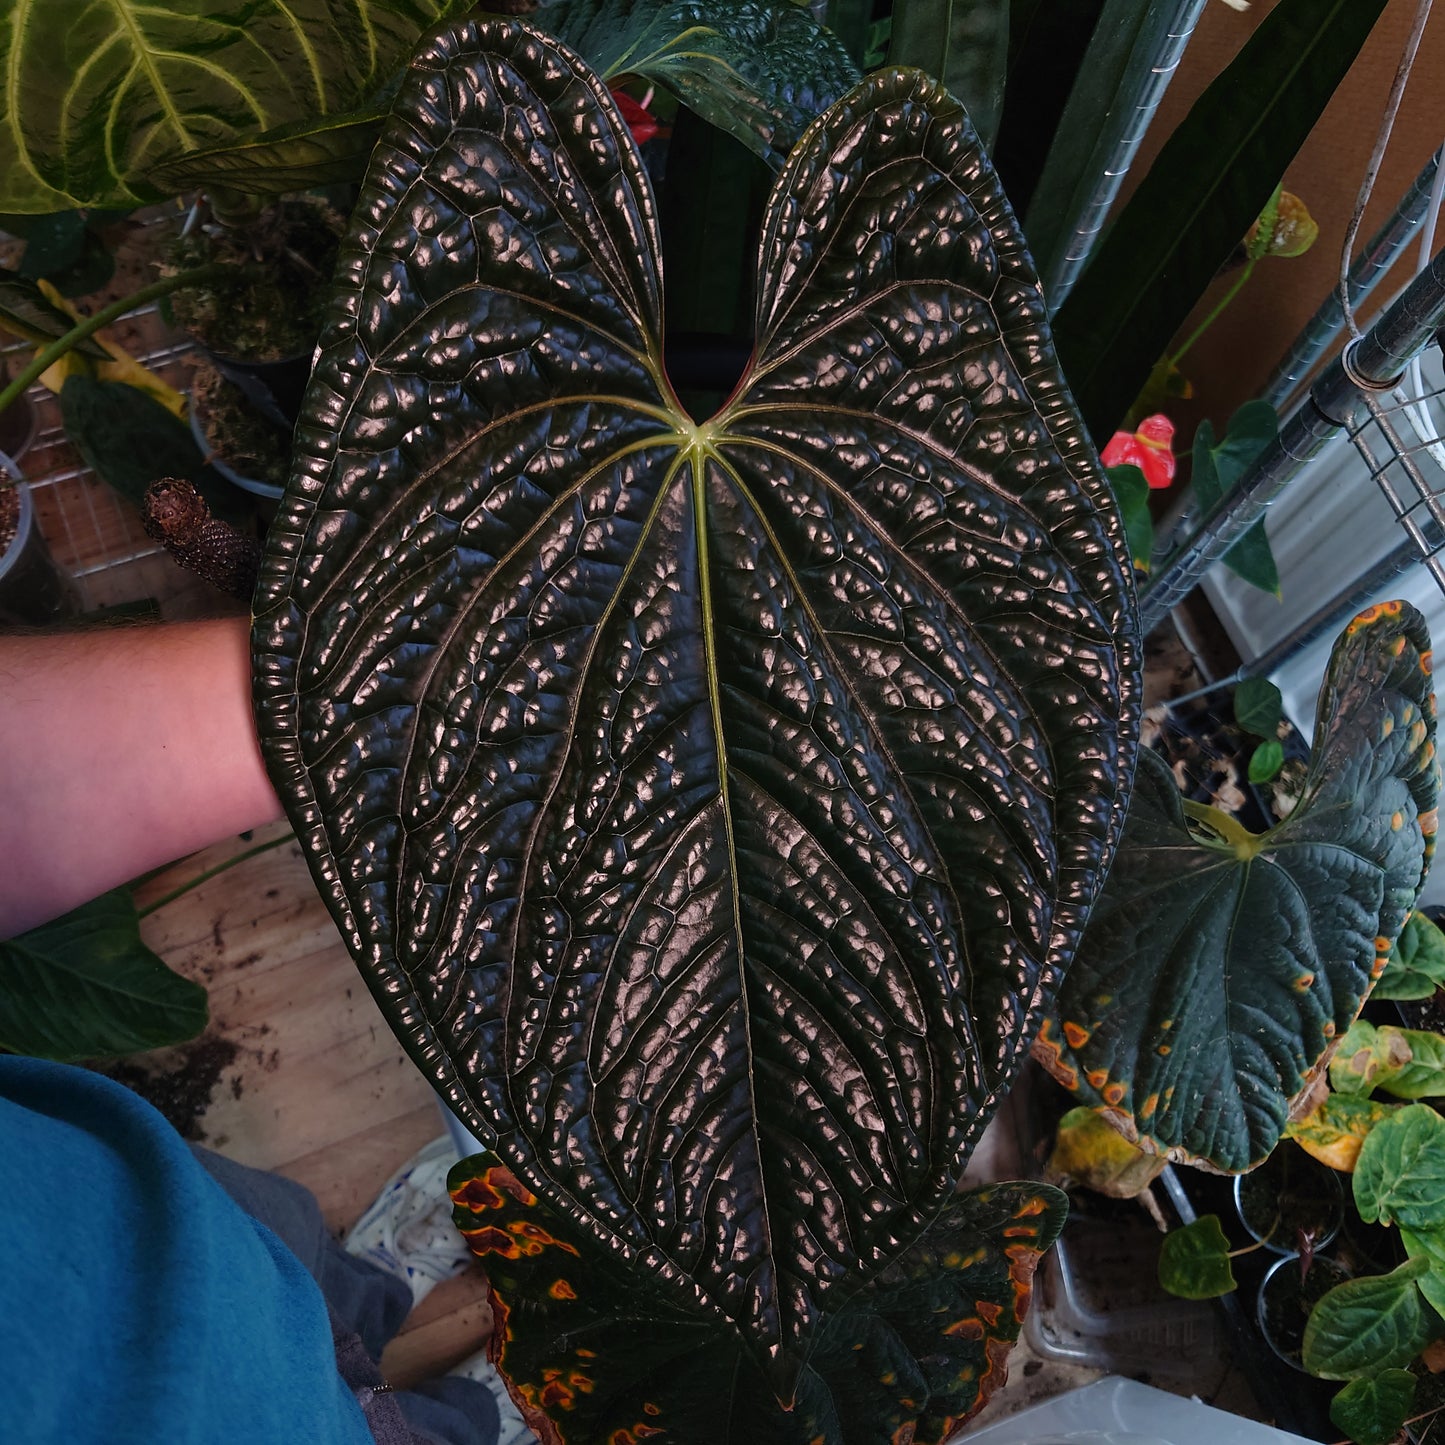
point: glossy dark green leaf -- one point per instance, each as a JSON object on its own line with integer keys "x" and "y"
{"x": 759, "y": 69}
{"x": 1219, "y": 964}
{"x": 711, "y": 806}
{"x": 1204, "y": 190}
{"x": 1258, "y": 707}
{"x": 99, "y": 97}
{"x": 589, "y": 1350}
{"x": 331, "y": 150}
{"x": 1131, "y": 492}
{"x": 86, "y": 987}
{"x": 1266, "y": 761}
{"x": 1417, "y": 961}
{"x": 1216, "y": 469}
{"x": 964, "y": 44}
{"x": 1367, "y": 1325}
{"x": 130, "y": 440}
{"x": 852, "y": 22}
{"x": 25, "y": 310}
{"x": 1194, "y": 1260}
{"x": 1373, "y": 1409}
{"x": 1400, "y": 1175}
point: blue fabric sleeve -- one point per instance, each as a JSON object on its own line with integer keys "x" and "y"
{"x": 138, "y": 1304}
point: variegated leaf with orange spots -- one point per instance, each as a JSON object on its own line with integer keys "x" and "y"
{"x": 594, "y": 1352}
{"x": 1219, "y": 964}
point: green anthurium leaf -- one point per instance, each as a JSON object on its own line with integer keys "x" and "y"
{"x": 1417, "y": 961}
{"x": 1373, "y": 1409}
{"x": 1216, "y": 469}
{"x": 1132, "y": 44}
{"x": 26, "y": 311}
{"x": 1258, "y": 707}
{"x": 130, "y": 440}
{"x": 1217, "y": 968}
{"x": 1266, "y": 761}
{"x": 710, "y": 805}
{"x": 1334, "y": 1129}
{"x": 759, "y": 69}
{"x": 1194, "y": 1260}
{"x": 591, "y": 1352}
{"x": 1204, "y": 190}
{"x": 1406, "y": 1063}
{"x": 85, "y": 987}
{"x": 1428, "y": 1244}
{"x": 1367, "y": 1325}
{"x": 142, "y": 84}
{"x": 1400, "y": 1174}
{"x": 964, "y": 44}
{"x": 852, "y": 22}
{"x": 331, "y": 150}
{"x": 1131, "y": 491}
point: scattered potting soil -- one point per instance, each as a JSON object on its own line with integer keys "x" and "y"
{"x": 9, "y": 516}
{"x": 181, "y": 1093}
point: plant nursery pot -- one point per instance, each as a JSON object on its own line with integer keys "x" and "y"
{"x": 1288, "y": 1193}
{"x": 1286, "y": 1299}
{"x": 218, "y": 463}
{"x": 34, "y": 591}
{"x": 274, "y": 388}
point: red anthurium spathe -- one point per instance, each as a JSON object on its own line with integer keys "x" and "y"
{"x": 640, "y": 121}
{"x": 1148, "y": 449}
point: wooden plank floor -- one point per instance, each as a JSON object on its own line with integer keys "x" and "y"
{"x": 318, "y": 1089}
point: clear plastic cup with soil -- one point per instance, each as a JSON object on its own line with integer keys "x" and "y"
{"x": 34, "y": 590}
{"x": 1291, "y": 1289}
{"x": 1290, "y": 1203}
{"x": 260, "y": 322}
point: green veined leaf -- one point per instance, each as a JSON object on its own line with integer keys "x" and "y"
{"x": 1334, "y": 1130}
{"x": 1373, "y": 1409}
{"x": 1367, "y": 1325}
{"x": 1215, "y": 471}
{"x": 1417, "y": 961}
{"x": 1258, "y": 707}
{"x": 591, "y": 1351}
{"x": 101, "y": 96}
{"x": 761, "y": 70}
{"x": 589, "y": 711}
{"x": 1089, "y": 1153}
{"x": 1208, "y": 184}
{"x": 1131, "y": 491}
{"x": 1219, "y": 964}
{"x": 1407, "y": 1063}
{"x": 25, "y": 310}
{"x": 1428, "y": 1244}
{"x": 1194, "y": 1260}
{"x": 1400, "y": 1174}
{"x": 86, "y": 987}
{"x": 962, "y": 43}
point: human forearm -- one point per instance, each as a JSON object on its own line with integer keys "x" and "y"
{"x": 119, "y": 751}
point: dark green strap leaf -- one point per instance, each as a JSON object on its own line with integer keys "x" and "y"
{"x": 99, "y": 98}
{"x": 962, "y": 43}
{"x": 25, "y": 310}
{"x": 712, "y": 806}
{"x": 1203, "y": 192}
{"x": 589, "y": 1349}
{"x": 1215, "y": 972}
{"x": 86, "y": 987}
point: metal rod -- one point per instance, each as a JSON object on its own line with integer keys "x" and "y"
{"x": 1375, "y": 362}
{"x": 1128, "y": 119}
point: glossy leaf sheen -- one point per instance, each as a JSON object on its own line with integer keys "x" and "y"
{"x": 711, "y": 807}
{"x": 99, "y": 94}
{"x": 589, "y": 1350}
{"x": 1211, "y": 981}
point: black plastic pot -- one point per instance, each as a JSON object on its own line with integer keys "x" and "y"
{"x": 274, "y": 388}
{"x": 34, "y": 591}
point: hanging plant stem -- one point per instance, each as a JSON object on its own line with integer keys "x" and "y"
{"x": 1216, "y": 311}
{"x": 47, "y": 358}
{"x": 211, "y": 873}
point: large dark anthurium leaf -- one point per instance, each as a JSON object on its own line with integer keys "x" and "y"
{"x": 1218, "y": 966}
{"x": 591, "y": 1353}
{"x": 712, "y": 807}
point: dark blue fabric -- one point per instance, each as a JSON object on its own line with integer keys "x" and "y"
{"x": 138, "y": 1304}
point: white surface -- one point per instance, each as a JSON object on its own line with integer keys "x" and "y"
{"x": 1115, "y": 1411}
